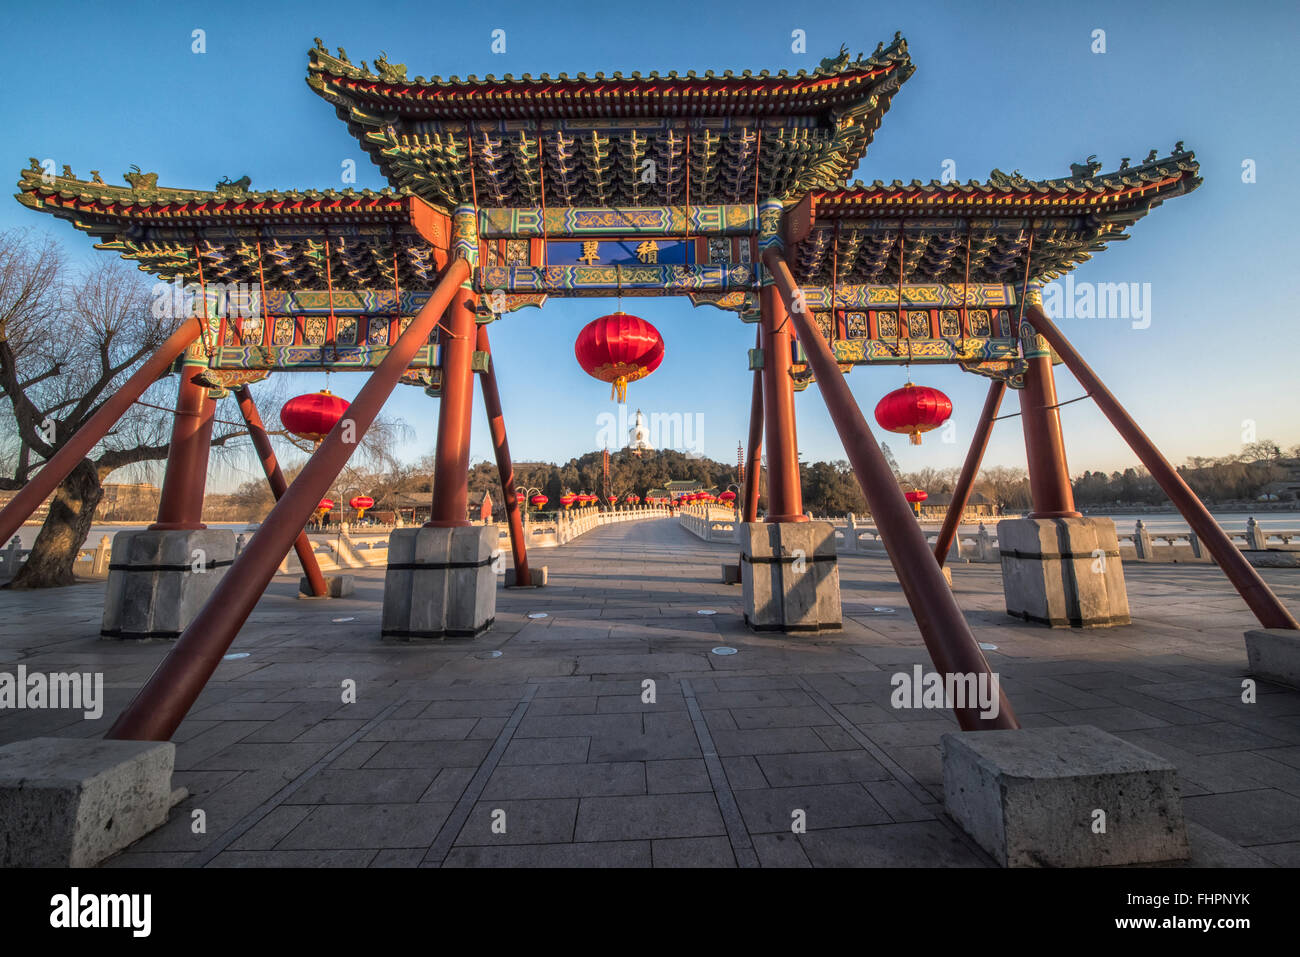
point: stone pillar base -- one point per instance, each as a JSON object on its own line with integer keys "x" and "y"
{"x": 1063, "y": 797}
{"x": 1274, "y": 655}
{"x": 336, "y": 586}
{"x": 790, "y": 576}
{"x": 72, "y": 802}
{"x": 159, "y": 579}
{"x": 440, "y": 583}
{"x": 1063, "y": 572}
{"x": 536, "y": 577}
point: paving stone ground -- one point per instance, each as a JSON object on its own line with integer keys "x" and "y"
{"x": 548, "y": 755}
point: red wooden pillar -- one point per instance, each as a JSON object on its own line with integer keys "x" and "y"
{"x": 1049, "y": 475}
{"x": 505, "y": 468}
{"x": 61, "y": 464}
{"x": 970, "y": 469}
{"x": 784, "y": 496}
{"x": 456, "y": 408}
{"x": 275, "y": 478}
{"x": 947, "y": 634}
{"x": 181, "y": 503}
{"x": 156, "y": 712}
{"x": 753, "y": 476}
{"x": 1267, "y": 607}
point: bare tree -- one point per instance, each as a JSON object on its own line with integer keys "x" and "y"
{"x": 1265, "y": 450}
{"x": 68, "y": 338}
{"x": 1004, "y": 486}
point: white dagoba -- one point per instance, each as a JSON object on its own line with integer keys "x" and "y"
{"x": 638, "y": 437}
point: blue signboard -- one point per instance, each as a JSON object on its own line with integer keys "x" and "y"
{"x": 646, "y": 251}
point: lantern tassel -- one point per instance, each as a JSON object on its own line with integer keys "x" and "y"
{"x": 916, "y": 438}
{"x": 619, "y": 391}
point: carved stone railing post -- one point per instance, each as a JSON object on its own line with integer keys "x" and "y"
{"x": 1142, "y": 541}
{"x": 11, "y": 555}
{"x": 99, "y": 564}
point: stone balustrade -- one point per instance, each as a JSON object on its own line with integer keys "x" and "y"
{"x": 90, "y": 562}
{"x": 344, "y": 548}
{"x": 1141, "y": 545}
{"x": 718, "y": 523}
{"x": 561, "y": 527}
{"x": 713, "y": 523}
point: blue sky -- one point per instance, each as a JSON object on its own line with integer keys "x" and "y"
{"x": 1006, "y": 85}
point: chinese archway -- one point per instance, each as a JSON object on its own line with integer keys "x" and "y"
{"x": 505, "y": 192}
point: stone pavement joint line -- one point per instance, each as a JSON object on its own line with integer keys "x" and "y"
{"x": 253, "y": 817}
{"x": 899, "y": 772}
{"x": 741, "y": 845}
{"x": 441, "y": 846}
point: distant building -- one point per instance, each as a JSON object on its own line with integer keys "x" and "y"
{"x": 683, "y": 486}
{"x": 936, "y": 506}
{"x": 638, "y": 437}
{"x": 126, "y": 502}
{"x": 415, "y": 508}
{"x": 121, "y": 502}
{"x": 7, "y": 495}
{"x": 676, "y": 487}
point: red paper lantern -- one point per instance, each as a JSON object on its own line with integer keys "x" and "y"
{"x": 326, "y": 504}
{"x": 567, "y": 500}
{"x": 727, "y": 496}
{"x": 619, "y": 348}
{"x": 913, "y": 410}
{"x": 613, "y": 500}
{"x": 361, "y": 502}
{"x": 313, "y": 416}
{"x": 539, "y": 500}
{"x": 916, "y": 495}
{"x": 633, "y": 499}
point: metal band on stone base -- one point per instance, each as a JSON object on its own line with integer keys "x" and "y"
{"x": 1063, "y": 572}
{"x": 790, "y": 577}
{"x": 396, "y": 635}
{"x": 441, "y": 583}
{"x": 160, "y": 580}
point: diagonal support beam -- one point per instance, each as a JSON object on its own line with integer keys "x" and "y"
{"x": 970, "y": 469}
{"x": 1267, "y": 607}
{"x": 275, "y": 478}
{"x": 946, "y": 633}
{"x": 61, "y": 464}
{"x": 505, "y": 468}
{"x": 172, "y": 689}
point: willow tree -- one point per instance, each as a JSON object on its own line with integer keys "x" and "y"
{"x": 70, "y": 336}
